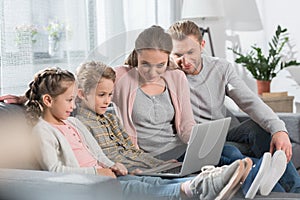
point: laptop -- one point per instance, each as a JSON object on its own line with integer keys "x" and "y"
{"x": 204, "y": 148}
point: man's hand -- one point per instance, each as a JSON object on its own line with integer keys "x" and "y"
{"x": 13, "y": 99}
{"x": 119, "y": 169}
{"x": 281, "y": 141}
{"x": 106, "y": 172}
{"x": 179, "y": 61}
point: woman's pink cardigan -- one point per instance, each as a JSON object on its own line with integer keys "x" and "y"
{"x": 124, "y": 95}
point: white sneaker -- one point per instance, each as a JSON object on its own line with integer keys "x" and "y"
{"x": 276, "y": 170}
{"x": 263, "y": 169}
{"x": 217, "y": 183}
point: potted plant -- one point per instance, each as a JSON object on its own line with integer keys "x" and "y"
{"x": 26, "y": 32}
{"x": 56, "y": 31}
{"x": 265, "y": 67}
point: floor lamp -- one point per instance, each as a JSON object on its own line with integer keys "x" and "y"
{"x": 241, "y": 16}
{"x": 207, "y": 30}
{"x": 205, "y": 10}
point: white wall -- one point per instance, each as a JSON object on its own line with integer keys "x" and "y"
{"x": 273, "y": 13}
{"x": 279, "y": 12}
{"x": 217, "y": 29}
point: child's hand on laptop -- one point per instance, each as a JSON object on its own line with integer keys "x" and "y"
{"x": 172, "y": 161}
{"x": 119, "y": 169}
{"x": 106, "y": 172}
{"x": 136, "y": 171}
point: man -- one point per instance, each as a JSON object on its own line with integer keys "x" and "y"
{"x": 211, "y": 79}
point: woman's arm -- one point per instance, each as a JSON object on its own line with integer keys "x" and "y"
{"x": 13, "y": 99}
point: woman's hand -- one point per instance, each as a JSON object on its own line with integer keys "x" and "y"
{"x": 106, "y": 172}
{"x": 136, "y": 171}
{"x": 119, "y": 169}
{"x": 13, "y": 99}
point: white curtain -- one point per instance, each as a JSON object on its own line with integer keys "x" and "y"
{"x": 119, "y": 23}
{"x": 97, "y": 29}
{"x": 24, "y": 53}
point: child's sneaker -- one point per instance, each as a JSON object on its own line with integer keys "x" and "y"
{"x": 217, "y": 183}
{"x": 247, "y": 168}
{"x": 277, "y": 168}
{"x": 252, "y": 182}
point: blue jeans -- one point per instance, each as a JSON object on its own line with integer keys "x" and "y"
{"x": 230, "y": 154}
{"x": 141, "y": 187}
{"x": 259, "y": 140}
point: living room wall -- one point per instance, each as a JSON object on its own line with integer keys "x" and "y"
{"x": 273, "y": 13}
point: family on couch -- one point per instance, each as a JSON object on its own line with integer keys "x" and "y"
{"x": 152, "y": 79}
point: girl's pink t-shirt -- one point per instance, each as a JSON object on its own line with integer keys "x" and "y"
{"x": 78, "y": 145}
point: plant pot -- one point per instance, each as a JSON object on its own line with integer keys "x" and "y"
{"x": 263, "y": 86}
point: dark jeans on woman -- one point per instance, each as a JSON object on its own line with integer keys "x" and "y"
{"x": 258, "y": 141}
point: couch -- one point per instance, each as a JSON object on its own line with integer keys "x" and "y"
{"x": 20, "y": 174}
{"x": 22, "y": 179}
{"x": 41, "y": 185}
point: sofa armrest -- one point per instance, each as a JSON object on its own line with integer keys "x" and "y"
{"x": 291, "y": 120}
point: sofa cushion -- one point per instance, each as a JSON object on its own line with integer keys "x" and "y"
{"x": 294, "y": 73}
{"x": 37, "y": 185}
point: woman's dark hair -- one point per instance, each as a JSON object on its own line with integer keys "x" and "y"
{"x": 154, "y": 37}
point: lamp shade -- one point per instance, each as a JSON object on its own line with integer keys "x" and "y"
{"x": 242, "y": 15}
{"x": 192, "y": 9}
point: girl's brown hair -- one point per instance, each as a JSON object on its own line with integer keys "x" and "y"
{"x": 151, "y": 38}
{"x": 51, "y": 81}
{"x": 90, "y": 73}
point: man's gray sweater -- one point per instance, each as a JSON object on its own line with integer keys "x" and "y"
{"x": 218, "y": 78}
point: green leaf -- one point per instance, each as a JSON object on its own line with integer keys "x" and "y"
{"x": 261, "y": 66}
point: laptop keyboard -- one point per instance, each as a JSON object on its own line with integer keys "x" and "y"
{"x": 175, "y": 170}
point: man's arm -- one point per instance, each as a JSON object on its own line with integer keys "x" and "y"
{"x": 258, "y": 112}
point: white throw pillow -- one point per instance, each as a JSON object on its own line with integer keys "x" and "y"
{"x": 295, "y": 73}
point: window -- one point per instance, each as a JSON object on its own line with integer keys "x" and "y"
{"x": 48, "y": 33}
{"x": 81, "y": 30}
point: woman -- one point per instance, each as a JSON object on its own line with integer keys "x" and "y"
{"x": 153, "y": 99}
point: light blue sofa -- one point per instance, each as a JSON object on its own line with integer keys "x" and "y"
{"x": 29, "y": 183}
{"x": 42, "y": 185}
